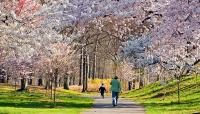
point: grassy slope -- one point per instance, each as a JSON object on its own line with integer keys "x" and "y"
{"x": 35, "y": 102}
{"x": 152, "y": 97}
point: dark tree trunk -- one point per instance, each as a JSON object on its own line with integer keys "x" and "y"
{"x": 94, "y": 64}
{"x": 3, "y": 76}
{"x": 55, "y": 85}
{"x": 8, "y": 78}
{"x": 51, "y": 86}
{"x": 70, "y": 80}
{"x": 60, "y": 82}
{"x": 2, "y": 79}
{"x": 40, "y": 82}
{"x": 74, "y": 79}
{"x": 89, "y": 67}
{"x": 84, "y": 72}
{"x": 66, "y": 82}
{"x": 129, "y": 85}
{"x": 81, "y": 67}
{"x": 84, "y": 76}
{"x": 23, "y": 84}
{"x": 87, "y": 71}
{"x": 30, "y": 82}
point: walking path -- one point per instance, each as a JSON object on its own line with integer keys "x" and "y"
{"x": 104, "y": 106}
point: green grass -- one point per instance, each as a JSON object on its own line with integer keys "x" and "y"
{"x": 68, "y": 102}
{"x": 154, "y": 101}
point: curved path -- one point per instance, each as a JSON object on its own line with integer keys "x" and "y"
{"x": 104, "y": 106}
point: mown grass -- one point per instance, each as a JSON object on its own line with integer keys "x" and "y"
{"x": 155, "y": 102}
{"x": 36, "y": 102}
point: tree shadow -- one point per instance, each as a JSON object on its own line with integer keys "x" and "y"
{"x": 43, "y": 104}
{"x": 173, "y": 84}
{"x": 175, "y": 105}
{"x": 120, "y": 105}
{"x": 192, "y": 86}
{"x": 29, "y": 100}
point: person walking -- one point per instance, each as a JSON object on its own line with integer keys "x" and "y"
{"x": 115, "y": 88}
{"x": 102, "y": 90}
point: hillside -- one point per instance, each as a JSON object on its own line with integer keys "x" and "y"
{"x": 162, "y": 99}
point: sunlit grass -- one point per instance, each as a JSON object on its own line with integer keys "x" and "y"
{"x": 152, "y": 97}
{"x": 36, "y": 102}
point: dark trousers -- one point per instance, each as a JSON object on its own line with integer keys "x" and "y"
{"x": 102, "y": 94}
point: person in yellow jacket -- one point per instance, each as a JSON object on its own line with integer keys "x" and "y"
{"x": 115, "y": 89}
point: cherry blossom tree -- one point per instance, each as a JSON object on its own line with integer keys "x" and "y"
{"x": 161, "y": 34}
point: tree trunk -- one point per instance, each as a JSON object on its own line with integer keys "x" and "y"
{"x": 148, "y": 78}
{"x": 2, "y": 79}
{"x": 94, "y": 67}
{"x": 40, "y": 82}
{"x": 74, "y": 79}
{"x": 90, "y": 70}
{"x": 15, "y": 79}
{"x": 8, "y": 78}
{"x": 165, "y": 87}
{"x": 130, "y": 85}
{"x": 99, "y": 68}
{"x": 94, "y": 63}
{"x": 87, "y": 72}
{"x": 84, "y": 76}
{"x": 103, "y": 71}
{"x": 47, "y": 85}
{"x": 84, "y": 72}
{"x": 89, "y": 75}
{"x": 30, "y": 81}
{"x": 139, "y": 79}
{"x": 23, "y": 84}
{"x": 66, "y": 82}
{"x": 51, "y": 83}
{"x": 70, "y": 80}
{"x": 3, "y": 76}
{"x": 59, "y": 82}
{"x": 55, "y": 85}
{"x": 81, "y": 67}
{"x": 178, "y": 89}
{"x": 115, "y": 68}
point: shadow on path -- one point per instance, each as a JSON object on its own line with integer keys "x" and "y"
{"x": 104, "y": 106}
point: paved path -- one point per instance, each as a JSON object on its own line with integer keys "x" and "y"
{"x": 104, "y": 106}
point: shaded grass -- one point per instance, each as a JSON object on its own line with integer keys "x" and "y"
{"x": 155, "y": 102}
{"x": 68, "y": 102}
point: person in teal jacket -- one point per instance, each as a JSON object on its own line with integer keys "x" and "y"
{"x": 115, "y": 89}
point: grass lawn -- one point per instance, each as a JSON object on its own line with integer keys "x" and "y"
{"x": 36, "y": 102}
{"x": 152, "y": 97}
